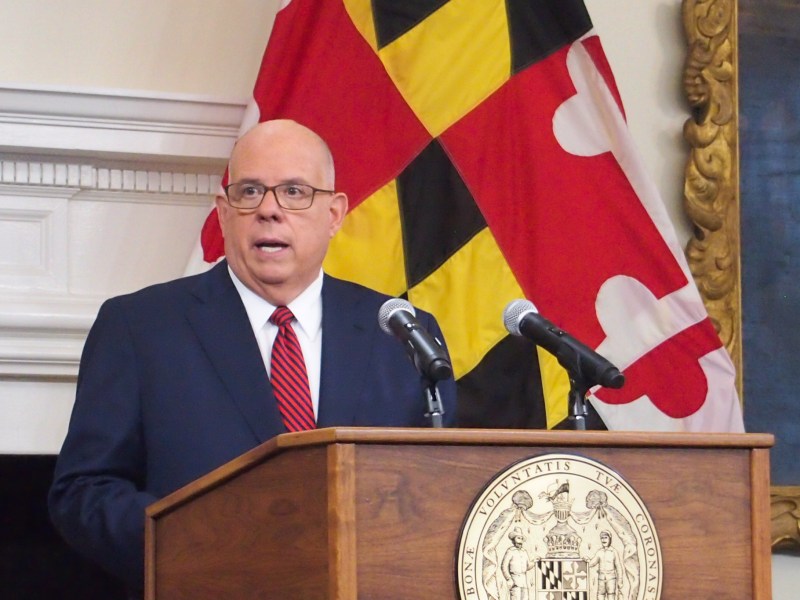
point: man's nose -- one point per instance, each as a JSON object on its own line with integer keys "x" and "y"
{"x": 269, "y": 204}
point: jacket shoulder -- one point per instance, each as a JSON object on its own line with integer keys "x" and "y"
{"x": 201, "y": 285}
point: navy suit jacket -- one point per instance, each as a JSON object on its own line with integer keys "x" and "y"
{"x": 172, "y": 385}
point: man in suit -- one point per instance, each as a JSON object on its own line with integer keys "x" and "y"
{"x": 174, "y": 379}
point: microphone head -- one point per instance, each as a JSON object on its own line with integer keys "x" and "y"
{"x": 512, "y": 315}
{"x": 390, "y": 307}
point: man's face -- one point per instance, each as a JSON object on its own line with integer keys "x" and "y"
{"x": 605, "y": 540}
{"x": 276, "y": 252}
{"x": 518, "y": 539}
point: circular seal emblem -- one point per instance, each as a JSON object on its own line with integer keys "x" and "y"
{"x": 558, "y": 527}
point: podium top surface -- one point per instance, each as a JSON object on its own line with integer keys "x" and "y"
{"x": 523, "y": 437}
{"x": 455, "y": 437}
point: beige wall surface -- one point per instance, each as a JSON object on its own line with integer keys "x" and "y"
{"x": 203, "y": 47}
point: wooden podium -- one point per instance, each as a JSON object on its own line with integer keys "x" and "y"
{"x": 377, "y": 513}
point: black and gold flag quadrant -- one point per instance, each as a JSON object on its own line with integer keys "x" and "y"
{"x": 437, "y": 250}
{"x": 438, "y": 216}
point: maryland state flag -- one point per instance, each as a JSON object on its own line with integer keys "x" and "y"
{"x": 483, "y": 146}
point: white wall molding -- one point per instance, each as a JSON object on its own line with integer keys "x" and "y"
{"x": 42, "y": 336}
{"x": 42, "y": 327}
{"x": 87, "y": 176}
{"x": 101, "y": 192}
{"x": 189, "y": 129}
{"x": 33, "y": 239}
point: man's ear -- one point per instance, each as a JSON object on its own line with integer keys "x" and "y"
{"x": 338, "y": 210}
{"x": 222, "y": 207}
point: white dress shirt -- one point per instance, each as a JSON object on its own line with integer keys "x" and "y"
{"x": 307, "y": 324}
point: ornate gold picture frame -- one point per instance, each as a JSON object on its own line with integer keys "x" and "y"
{"x": 712, "y": 198}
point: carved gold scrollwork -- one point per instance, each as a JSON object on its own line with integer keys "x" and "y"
{"x": 785, "y": 504}
{"x": 711, "y": 194}
{"x": 711, "y": 198}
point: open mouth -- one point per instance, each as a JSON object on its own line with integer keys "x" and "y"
{"x": 270, "y": 247}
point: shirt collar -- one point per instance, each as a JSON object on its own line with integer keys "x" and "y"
{"x": 306, "y": 308}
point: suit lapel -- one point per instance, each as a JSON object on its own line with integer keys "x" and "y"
{"x": 346, "y": 325}
{"x": 221, "y": 324}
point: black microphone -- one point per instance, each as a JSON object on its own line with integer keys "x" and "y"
{"x": 522, "y": 318}
{"x": 398, "y": 317}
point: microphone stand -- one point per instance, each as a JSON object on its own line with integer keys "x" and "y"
{"x": 434, "y": 402}
{"x": 579, "y": 386}
{"x": 578, "y": 411}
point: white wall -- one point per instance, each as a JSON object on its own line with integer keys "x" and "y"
{"x": 115, "y": 120}
{"x": 204, "y": 47}
{"x": 190, "y": 62}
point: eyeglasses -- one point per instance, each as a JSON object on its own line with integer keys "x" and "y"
{"x": 291, "y": 196}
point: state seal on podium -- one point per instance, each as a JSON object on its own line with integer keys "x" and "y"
{"x": 559, "y": 527}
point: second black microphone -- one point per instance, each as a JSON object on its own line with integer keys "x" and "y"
{"x": 397, "y": 317}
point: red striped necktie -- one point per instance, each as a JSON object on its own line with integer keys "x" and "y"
{"x": 288, "y": 375}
